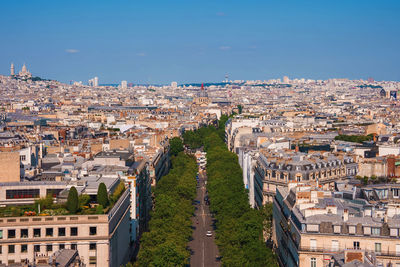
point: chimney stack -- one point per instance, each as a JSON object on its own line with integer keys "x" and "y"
{"x": 345, "y": 215}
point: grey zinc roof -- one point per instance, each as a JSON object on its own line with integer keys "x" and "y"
{"x": 64, "y": 257}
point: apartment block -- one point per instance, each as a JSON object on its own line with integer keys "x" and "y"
{"x": 279, "y": 168}
{"x": 315, "y": 227}
{"x": 9, "y": 167}
{"x": 100, "y": 239}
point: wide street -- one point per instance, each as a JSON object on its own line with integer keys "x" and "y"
{"x": 203, "y": 248}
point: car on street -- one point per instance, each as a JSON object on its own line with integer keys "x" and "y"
{"x": 208, "y": 233}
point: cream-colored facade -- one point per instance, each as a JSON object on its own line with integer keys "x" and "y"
{"x": 311, "y": 226}
{"x": 101, "y": 240}
{"x": 280, "y": 169}
{"x": 322, "y": 246}
{"x": 9, "y": 167}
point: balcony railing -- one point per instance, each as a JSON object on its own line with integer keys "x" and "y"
{"x": 330, "y": 250}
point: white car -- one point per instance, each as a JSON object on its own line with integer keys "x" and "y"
{"x": 209, "y": 233}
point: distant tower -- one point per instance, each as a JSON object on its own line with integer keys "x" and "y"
{"x": 96, "y": 81}
{"x": 12, "y": 70}
{"x": 24, "y": 69}
{"x": 24, "y": 73}
{"x": 286, "y": 79}
{"x": 202, "y": 97}
{"x": 124, "y": 84}
{"x": 226, "y": 77}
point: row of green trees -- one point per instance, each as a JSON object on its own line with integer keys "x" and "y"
{"x": 374, "y": 180}
{"x": 175, "y": 146}
{"x": 192, "y": 140}
{"x": 239, "y": 228}
{"x": 165, "y": 244}
{"x": 354, "y": 138}
{"x": 77, "y": 204}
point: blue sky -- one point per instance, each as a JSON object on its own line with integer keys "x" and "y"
{"x": 194, "y": 41}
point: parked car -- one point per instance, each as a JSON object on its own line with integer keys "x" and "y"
{"x": 208, "y": 233}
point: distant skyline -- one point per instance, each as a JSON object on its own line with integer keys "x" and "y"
{"x": 158, "y": 42}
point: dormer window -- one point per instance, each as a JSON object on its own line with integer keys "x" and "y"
{"x": 376, "y": 231}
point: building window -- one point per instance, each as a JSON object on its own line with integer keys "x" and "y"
{"x": 367, "y": 230}
{"x": 61, "y": 231}
{"x": 393, "y": 231}
{"x": 11, "y": 249}
{"x": 24, "y": 248}
{"x": 313, "y": 262}
{"x": 378, "y": 247}
{"x": 92, "y": 260}
{"x": 93, "y": 230}
{"x": 49, "y": 248}
{"x": 74, "y": 246}
{"x": 1, "y": 249}
{"x": 36, "y": 248}
{"x": 376, "y": 231}
{"x": 22, "y": 193}
{"x": 53, "y": 192}
{"x": 74, "y": 231}
{"x": 36, "y": 232}
{"x": 22, "y": 157}
{"x": 313, "y": 244}
{"x": 49, "y": 231}
{"x": 1, "y": 234}
{"x": 24, "y": 233}
{"x": 11, "y": 233}
{"x": 61, "y": 246}
{"x": 92, "y": 246}
{"x": 335, "y": 245}
{"x": 356, "y": 245}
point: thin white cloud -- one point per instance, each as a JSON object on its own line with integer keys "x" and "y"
{"x": 72, "y": 51}
{"x": 141, "y": 54}
{"x": 224, "y": 47}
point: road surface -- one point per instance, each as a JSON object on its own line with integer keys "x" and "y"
{"x": 204, "y": 251}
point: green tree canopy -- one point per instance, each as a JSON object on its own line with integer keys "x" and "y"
{"x": 175, "y": 146}
{"x": 240, "y": 109}
{"x": 239, "y": 229}
{"x": 45, "y": 203}
{"x": 354, "y": 138}
{"x": 83, "y": 200}
{"x": 102, "y": 195}
{"x": 170, "y": 224}
{"x": 72, "y": 201}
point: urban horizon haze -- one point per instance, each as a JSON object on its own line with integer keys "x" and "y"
{"x": 156, "y": 42}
